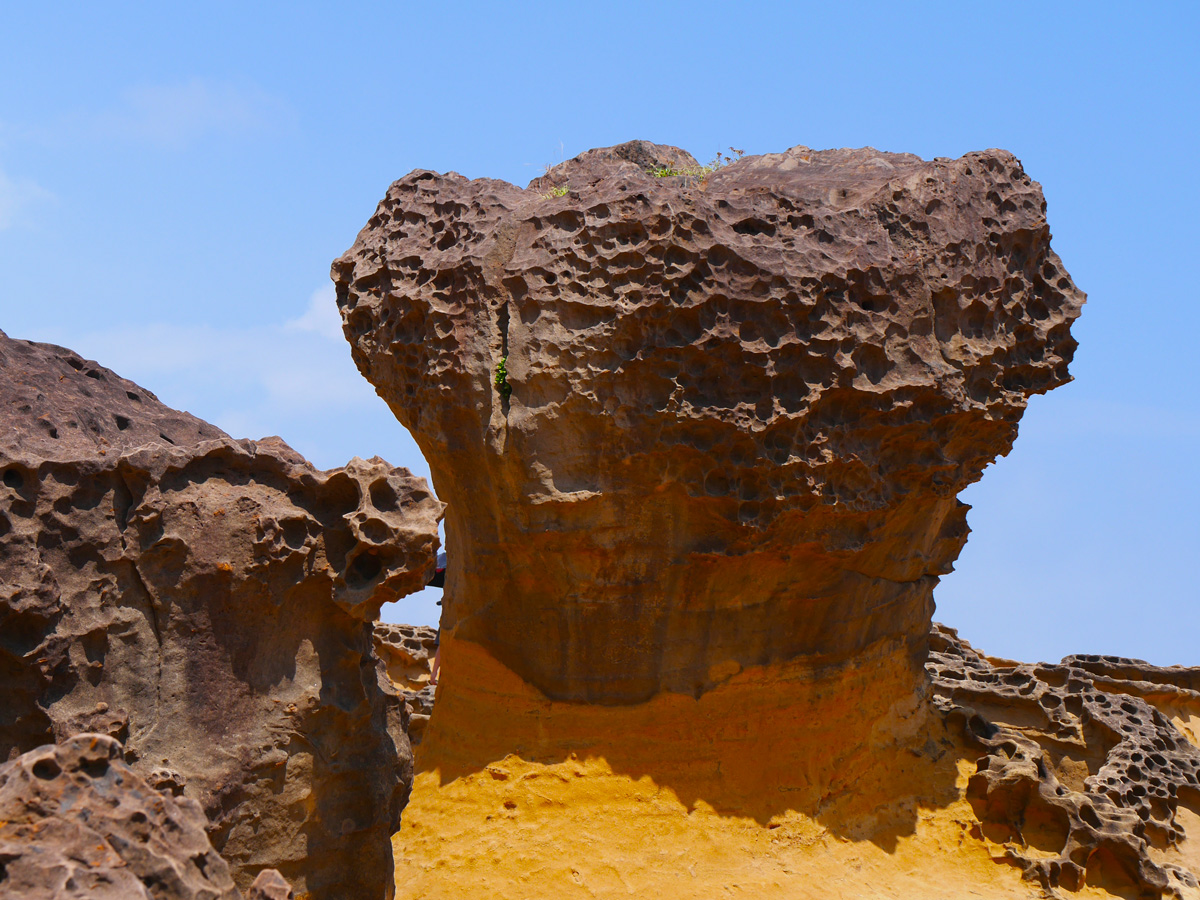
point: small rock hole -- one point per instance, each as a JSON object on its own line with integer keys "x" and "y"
{"x": 122, "y": 422}
{"x": 46, "y": 769}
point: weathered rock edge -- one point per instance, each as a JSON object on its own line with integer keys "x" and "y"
{"x": 1080, "y": 759}
{"x": 77, "y": 822}
{"x": 210, "y": 603}
{"x": 735, "y": 411}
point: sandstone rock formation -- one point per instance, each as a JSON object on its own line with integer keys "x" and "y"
{"x": 77, "y": 822}
{"x": 701, "y": 439}
{"x": 1091, "y": 768}
{"x": 407, "y": 652}
{"x": 210, "y": 603}
{"x": 737, "y": 409}
{"x": 1083, "y": 775}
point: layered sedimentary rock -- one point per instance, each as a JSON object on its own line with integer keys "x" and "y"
{"x": 210, "y": 603}
{"x": 735, "y": 411}
{"x": 1083, "y": 776}
{"x": 77, "y": 822}
{"x": 701, "y": 438}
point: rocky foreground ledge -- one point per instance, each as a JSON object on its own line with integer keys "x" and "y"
{"x": 208, "y": 603}
{"x": 1078, "y": 774}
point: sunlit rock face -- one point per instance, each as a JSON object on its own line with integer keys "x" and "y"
{"x": 210, "y": 603}
{"x": 738, "y": 406}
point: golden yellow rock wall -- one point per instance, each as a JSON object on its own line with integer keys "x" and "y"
{"x": 775, "y": 784}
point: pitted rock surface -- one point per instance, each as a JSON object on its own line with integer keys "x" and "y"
{"x": 408, "y": 652}
{"x": 738, "y": 409}
{"x": 1089, "y": 762}
{"x": 77, "y": 822}
{"x": 210, "y": 603}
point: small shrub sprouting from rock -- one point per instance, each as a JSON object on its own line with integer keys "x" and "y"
{"x": 502, "y": 384}
{"x": 718, "y": 161}
{"x": 559, "y": 191}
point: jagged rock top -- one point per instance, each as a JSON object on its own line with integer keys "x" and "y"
{"x": 58, "y": 405}
{"x": 735, "y": 408}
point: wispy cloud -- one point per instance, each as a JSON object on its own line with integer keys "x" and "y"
{"x": 321, "y": 317}
{"x": 295, "y": 378}
{"x": 177, "y": 115}
{"x": 18, "y": 196}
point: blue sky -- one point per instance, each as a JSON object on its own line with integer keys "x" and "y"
{"x": 174, "y": 183}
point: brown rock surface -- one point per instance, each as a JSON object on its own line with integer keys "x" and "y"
{"x": 210, "y": 602}
{"x": 696, "y": 518}
{"x": 741, "y": 406}
{"x": 1091, "y": 768}
{"x": 407, "y": 652}
{"x": 77, "y": 822}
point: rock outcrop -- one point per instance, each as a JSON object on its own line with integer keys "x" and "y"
{"x": 210, "y": 603}
{"x": 701, "y": 439}
{"x": 408, "y": 652}
{"x": 734, "y": 412}
{"x": 77, "y": 822}
{"x": 1083, "y": 774}
{"x": 1090, "y": 768}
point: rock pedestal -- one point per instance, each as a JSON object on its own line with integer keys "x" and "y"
{"x": 701, "y": 436}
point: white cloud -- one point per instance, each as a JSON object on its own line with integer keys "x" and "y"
{"x": 295, "y": 378}
{"x": 176, "y": 115}
{"x": 17, "y": 197}
{"x": 322, "y": 316}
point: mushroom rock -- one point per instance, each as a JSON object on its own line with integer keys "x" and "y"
{"x": 210, "y": 603}
{"x": 701, "y": 435}
{"x": 737, "y": 409}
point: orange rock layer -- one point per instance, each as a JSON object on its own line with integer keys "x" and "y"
{"x": 518, "y": 796}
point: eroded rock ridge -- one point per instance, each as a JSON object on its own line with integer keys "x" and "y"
{"x": 210, "y": 603}
{"x": 1090, "y": 770}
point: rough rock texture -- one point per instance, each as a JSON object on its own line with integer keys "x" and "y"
{"x": 407, "y": 652}
{"x": 270, "y": 885}
{"x": 1089, "y": 775}
{"x": 1088, "y": 765}
{"x": 210, "y": 603}
{"x": 738, "y": 408}
{"x": 77, "y": 822}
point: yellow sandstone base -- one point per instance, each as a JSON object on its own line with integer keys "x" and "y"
{"x": 773, "y": 785}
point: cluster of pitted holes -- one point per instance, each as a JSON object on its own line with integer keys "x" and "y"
{"x": 13, "y": 479}
{"x": 1135, "y": 785}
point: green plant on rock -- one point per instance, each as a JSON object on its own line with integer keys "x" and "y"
{"x": 502, "y": 384}
{"x": 559, "y": 191}
{"x": 718, "y": 161}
